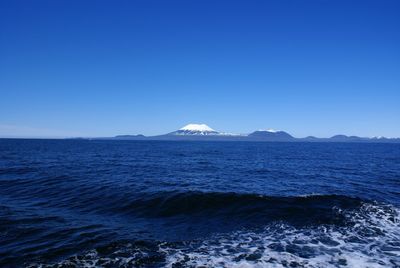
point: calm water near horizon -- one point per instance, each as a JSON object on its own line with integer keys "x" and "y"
{"x": 92, "y": 203}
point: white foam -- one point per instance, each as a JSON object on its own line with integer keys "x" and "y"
{"x": 363, "y": 245}
{"x": 372, "y": 239}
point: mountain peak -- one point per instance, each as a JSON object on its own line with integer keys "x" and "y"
{"x": 197, "y": 127}
{"x": 269, "y": 130}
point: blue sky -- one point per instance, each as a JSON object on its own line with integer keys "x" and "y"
{"x": 101, "y": 68}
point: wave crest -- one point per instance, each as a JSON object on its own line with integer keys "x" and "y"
{"x": 258, "y": 209}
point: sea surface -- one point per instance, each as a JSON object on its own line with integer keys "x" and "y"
{"x": 98, "y": 203}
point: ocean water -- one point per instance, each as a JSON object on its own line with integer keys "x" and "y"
{"x": 87, "y": 203}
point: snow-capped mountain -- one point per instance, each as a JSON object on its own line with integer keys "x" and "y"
{"x": 195, "y": 129}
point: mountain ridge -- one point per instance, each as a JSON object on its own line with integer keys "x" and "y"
{"x": 204, "y": 132}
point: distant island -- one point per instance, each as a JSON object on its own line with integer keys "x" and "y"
{"x": 204, "y": 132}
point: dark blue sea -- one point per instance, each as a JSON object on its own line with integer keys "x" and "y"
{"x": 98, "y": 203}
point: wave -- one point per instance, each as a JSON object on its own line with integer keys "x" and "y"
{"x": 372, "y": 241}
{"x": 215, "y": 229}
{"x": 299, "y": 210}
{"x": 235, "y": 209}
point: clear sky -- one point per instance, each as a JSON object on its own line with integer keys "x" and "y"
{"x": 102, "y": 68}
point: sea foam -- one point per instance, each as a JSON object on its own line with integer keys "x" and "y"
{"x": 371, "y": 239}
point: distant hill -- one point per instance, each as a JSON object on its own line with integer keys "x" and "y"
{"x": 129, "y": 137}
{"x": 270, "y": 135}
{"x": 344, "y": 138}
